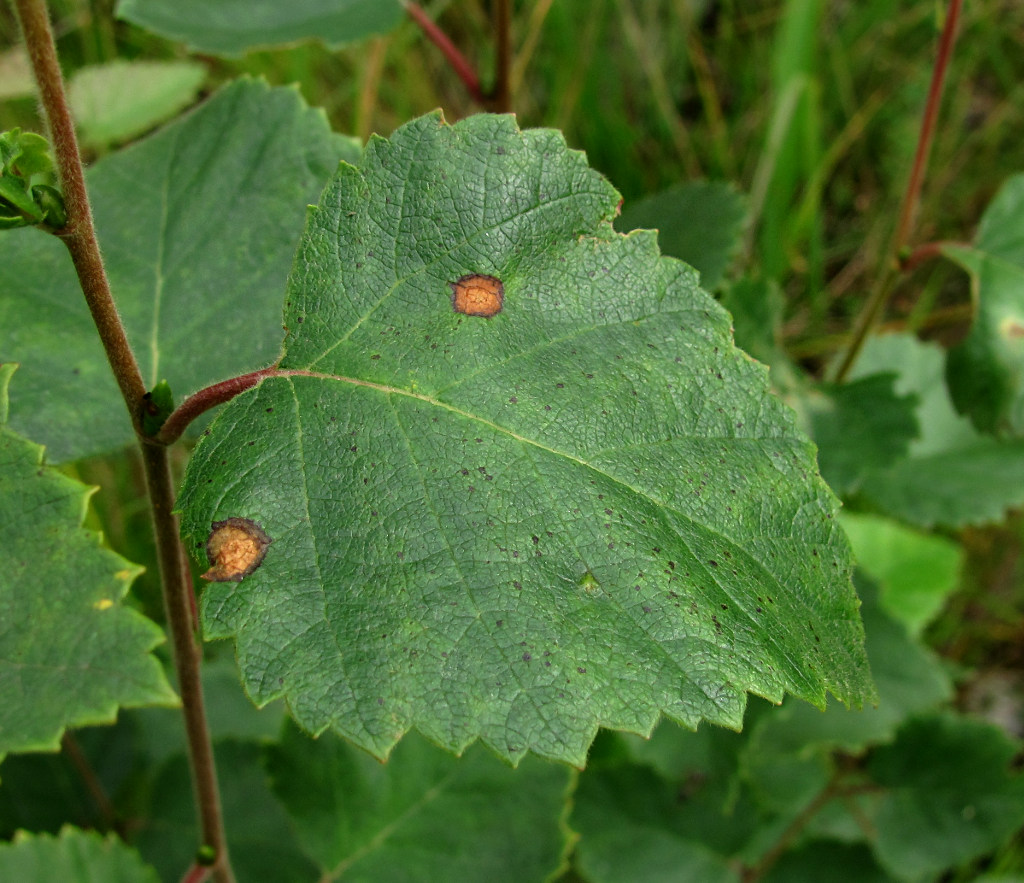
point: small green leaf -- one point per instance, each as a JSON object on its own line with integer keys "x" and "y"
{"x": 70, "y": 652}
{"x": 951, "y": 795}
{"x": 986, "y": 371}
{"x": 157, "y": 406}
{"x": 916, "y": 571}
{"x": 953, "y": 476}
{"x": 424, "y": 815}
{"x": 233, "y": 27}
{"x": 635, "y": 826}
{"x": 122, "y": 99}
{"x": 860, "y": 426}
{"x": 438, "y": 476}
{"x": 73, "y": 857}
{"x": 700, "y": 222}
{"x": 198, "y": 225}
{"x": 27, "y": 192}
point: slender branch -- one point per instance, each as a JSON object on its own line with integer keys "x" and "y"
{"x": 178, "y": 592}
{"x": 500, "y": 97}
{"x": 80, "y": 238}
{"x": 79, "y": 235}
{"x": 200, "y": 402}
{"x": 911, "y": 197}
{"x": 460, "y": 64}
{"x": 924, "y": 253}
{"x": 69, "y": 745}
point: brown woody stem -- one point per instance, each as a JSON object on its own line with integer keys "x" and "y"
{"x": 80, "y": 238}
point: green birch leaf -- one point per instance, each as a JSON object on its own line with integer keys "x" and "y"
{"x": 584, "y": 510}
{"x": 424, "y": 815}
{"x": 198, "y": 226}
{"x": 233, "y": 27}
{"x": 73, "y": 857}
{"x": 120, "y": 100}
{"x": 700, "y": 222}
{"x": 70, "y": 653}
{"x": 951, "y": 795}
{"x": 985, "y": 372}
{"x": 261, "y": 841}
{"x": 952, "y": 475}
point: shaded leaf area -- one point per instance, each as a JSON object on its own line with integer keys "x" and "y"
{"x": 585, "y": 510}
{"x": 985, "y": 372}
{"x": 70, "y": 653}
{"x": 915, "y": 571}
{"x": 424, "y": 815}
{"x": 42, "y": 792}
{"x": 122, "y": 99}
{"x": 198, "y": 226}
{"x": 631, "y": 828}
{"x": 756, "y": 308}
{"x": 233, "y": 27}
{"x": 700, "y": 222}
{"x": 951, "y": 796}
{"x": 840, "y": 862}
{"x": 261, "y": 841}
{"x": 859, "y": 426}
{"x": 952, "y": 476}
{"x": 73, "y": 857}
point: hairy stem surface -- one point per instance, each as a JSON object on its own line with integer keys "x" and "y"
{"x": 80, "y": 238}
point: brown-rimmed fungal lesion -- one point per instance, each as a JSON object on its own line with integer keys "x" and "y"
{"x": 235, "y": 548}
{"x": 478, "y": 295}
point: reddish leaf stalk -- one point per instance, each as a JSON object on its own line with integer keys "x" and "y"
{"x": 911, "y": 197}
{"x": 200, "y": 402}
{"x": 460, "y": 64}
{"x": 500, "y": 98}
{"x": 80, "y": 238}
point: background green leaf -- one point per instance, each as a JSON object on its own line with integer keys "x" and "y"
{"x": 468, "y": 502}
{"x": 70, "y": 653}
{"x": 198, "y": 226}
{"x": 122, "y": 99}
{"x": 915, "y": 571}
{"x": 952, "y": 475}
{"x": 986, "y": 371}
{"x": 700, "y": 222}
{"x": 424, "y": 815}
{"x": 73, "y": 857}
{"x": 231, "y": 27}
{"x": 952, "y": 797}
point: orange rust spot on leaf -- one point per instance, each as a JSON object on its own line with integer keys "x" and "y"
{"x": 477, "y": 295}
{"x": 235, "y": 548}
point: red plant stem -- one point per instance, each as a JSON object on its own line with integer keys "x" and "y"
{"x": 202, "y": 401}
{"x": 455, "y": 58}
{"x": 911, "y": 196}
{"x": 500, "y": 98}
{"x": 924, "y": 253}
{"x": 196, "y": 874}
{"x": 78, "y": 235}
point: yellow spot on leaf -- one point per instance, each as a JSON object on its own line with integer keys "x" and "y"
{"x": 103, "y": 604}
